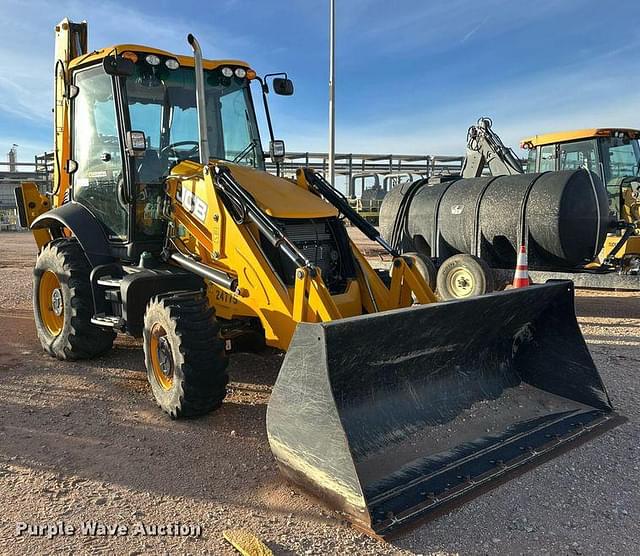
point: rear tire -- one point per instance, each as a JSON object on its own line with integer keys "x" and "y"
{"x": 184, "y": 355}
{"x": 63, "y": 303}
{"x": 426, "y": 268}
{"x": 463, "y": 276}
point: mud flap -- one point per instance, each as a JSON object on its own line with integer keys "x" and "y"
{"x": 395, "y": 416}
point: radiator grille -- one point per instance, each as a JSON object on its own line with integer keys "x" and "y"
{"x": 323, "y": 243}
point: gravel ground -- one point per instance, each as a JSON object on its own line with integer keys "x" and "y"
{"x": 85, "y": 441}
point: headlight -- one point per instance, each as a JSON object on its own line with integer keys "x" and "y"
{"x": 152, "y": 59}
{"x": 241, "y": 73}
{"x": 172, "y": 63}
{"x": 130, "y": 56}
{"x": 227, "y": 72}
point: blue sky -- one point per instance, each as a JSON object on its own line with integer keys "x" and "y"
{"x": 411, "y": 75}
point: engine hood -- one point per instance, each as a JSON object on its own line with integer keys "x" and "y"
{"x": 279, "y": 197}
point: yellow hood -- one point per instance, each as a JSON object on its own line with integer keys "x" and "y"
{"x": 279, "y": 197}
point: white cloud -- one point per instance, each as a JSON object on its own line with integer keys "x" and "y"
{"x": 26, "y": 50}
{"x": 604, "y": 92}
{"x": 436, "y": 26}
{"x": 474, "y": 30}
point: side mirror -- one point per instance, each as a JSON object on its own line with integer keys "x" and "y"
{"x": 282, "y": 86}
{"x": 117, "y": 65}
{"x": 71, "y": 166}
{"x": 277, "y": 150}
{"x": 136, "y": 143}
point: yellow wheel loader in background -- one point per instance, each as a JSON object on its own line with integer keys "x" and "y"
{"x": 614, "y": 155}
{"x": 164, "y": 225}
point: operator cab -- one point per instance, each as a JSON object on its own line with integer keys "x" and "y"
{"x": 135, "y": 118}
{"x": 612, "y": 154}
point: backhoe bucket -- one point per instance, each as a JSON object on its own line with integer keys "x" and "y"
{"x": 394, "y": 416}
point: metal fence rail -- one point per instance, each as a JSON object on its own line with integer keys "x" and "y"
{"x": 384, "y": 170}
{"x": 357, "y": 171}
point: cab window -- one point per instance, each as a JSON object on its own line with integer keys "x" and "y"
{"x": 580, "y": 154}
{"x": 532, "y": 159}
{"x": 621, "y": 157}
{"x": 547, "y": 158}
{"x": 237, "y": 134}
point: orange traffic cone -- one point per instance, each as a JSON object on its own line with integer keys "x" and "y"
{"x": 521, "y": 278}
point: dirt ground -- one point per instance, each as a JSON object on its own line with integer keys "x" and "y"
{"x": 85, "y": 441}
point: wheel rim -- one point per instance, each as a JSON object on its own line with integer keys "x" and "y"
{"x": 161, "y": 357}
{"x": 461, "y": 282}
{"x": 51, "y": 303}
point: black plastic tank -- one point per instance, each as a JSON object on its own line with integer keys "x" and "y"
{"x": 564, "y": 214}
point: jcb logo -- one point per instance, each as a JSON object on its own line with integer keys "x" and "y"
{"x": 192, "y": 203}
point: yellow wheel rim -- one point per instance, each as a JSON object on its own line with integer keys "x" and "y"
{"x": 51, "y": 303}
{"x": 161, "y": 357}
{"x": 461, "y": 282}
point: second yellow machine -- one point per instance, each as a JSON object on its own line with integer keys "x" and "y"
{"x": 164, "y": 225}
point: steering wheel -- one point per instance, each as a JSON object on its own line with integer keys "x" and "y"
{"x": 171, "y": 149}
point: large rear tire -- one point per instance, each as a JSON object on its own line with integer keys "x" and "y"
{"x": 463, "y": 276}
{"x": 63, "y": 303}
{"x": 425, "y": 267}
{"x": 184, "y": 355}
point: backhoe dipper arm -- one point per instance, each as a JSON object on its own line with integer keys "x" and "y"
{"x": 484, "y": 146}
{"x": 335, "y": 198}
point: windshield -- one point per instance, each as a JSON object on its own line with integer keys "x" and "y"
{"x": 162, "y": 103}
{"x": 620, "y": 157}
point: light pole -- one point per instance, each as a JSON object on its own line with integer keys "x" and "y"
{"x": 332, "y": 82}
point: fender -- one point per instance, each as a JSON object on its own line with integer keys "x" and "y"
{"x": 84, "y": 226}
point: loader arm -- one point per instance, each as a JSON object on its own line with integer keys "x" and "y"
{"x": 484, "y": 146}
{"x": 224, "y": 232}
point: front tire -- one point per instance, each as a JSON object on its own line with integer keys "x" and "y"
{"x": 184, "y": 355}
{"x": 63, "y": 303}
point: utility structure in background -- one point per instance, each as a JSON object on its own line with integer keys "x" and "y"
{"x": 12, "y": 157}
{"x": 12, "y": 174}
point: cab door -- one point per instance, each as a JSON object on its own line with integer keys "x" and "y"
{"x": 98, "y": 181}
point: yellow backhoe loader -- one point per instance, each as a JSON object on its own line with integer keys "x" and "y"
{"x": 164, "y": 225}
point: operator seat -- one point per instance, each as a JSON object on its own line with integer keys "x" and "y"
{"x": 150, "y": 168}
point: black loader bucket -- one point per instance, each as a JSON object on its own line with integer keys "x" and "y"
{"x": 393, "y": 417}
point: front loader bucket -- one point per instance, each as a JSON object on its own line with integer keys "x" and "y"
{"x": 392, "y": 417}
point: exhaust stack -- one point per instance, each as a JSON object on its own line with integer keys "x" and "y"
{"x": 200, "y": 100}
